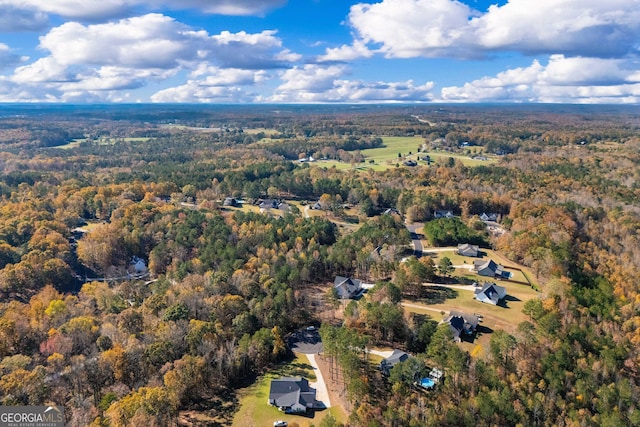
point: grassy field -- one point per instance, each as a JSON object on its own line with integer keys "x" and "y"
{"x": 387, "y": 156}
{"x": 460, "y": 295}
{"x": 102, "y": 141}
{"x": 505, "y": 317}
{"x": 254, "y": 411}
{"x": 467, "y": 276}
{"x": 253, "y": 131}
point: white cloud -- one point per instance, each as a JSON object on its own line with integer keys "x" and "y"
{"x": 215, "y": 76}
{"x": 99, "y": 59}
{"x": 14, "y": 18}
{"x": 7, "y": 57}
{"x": 448, "y": 28}
{"x": 43, "y": 70}
{"x": 251, "y": 51}
{"x": 213, "y": 84}
{"x": 588, "y": 80}
{"x": 346, "y": 52}
{"x": 311, "y": 78}
{"x": 151, "y": 40}
{"x": 31, "y": 14}
{"x": 224, "y": 7}
{"x": 75, "y": 9}
{"x": 314, "y": 83}
{"x": 410, "y": 28}
{"x": 194, "y": 92}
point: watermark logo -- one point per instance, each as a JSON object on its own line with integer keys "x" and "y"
{"x": 31, "y": 416}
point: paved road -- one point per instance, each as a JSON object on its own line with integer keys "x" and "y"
{"x": 307, "y": 342}
{"x": 415, "y": 239}
{"x": 322, "y": 394}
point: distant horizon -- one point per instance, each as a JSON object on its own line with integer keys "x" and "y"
{"x": 320, "y": 51}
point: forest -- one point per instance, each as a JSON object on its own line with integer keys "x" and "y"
{"x": 88, "y": 190}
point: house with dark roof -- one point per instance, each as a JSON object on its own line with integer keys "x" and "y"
{"x": 284, "y": 207}
{"x": 491, "y": 269}
{"x": 347, "y": 288}
{"x": 230, "y": 201}
{"x": 268, "y": 204}
{"x": 443, "y": 214}
{"x": 489, "y": 216}
{"x": 394, "y": 358}
{"x": 466, "y": 249}
{"x": 490, "y": 293}
{"x": 461, "y": 324}
{"x": 291, "y": 394}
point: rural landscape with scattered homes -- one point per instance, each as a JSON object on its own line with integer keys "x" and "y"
{"x": 326, "y": 265}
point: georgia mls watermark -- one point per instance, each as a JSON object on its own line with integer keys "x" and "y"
{"x": 31, "y": 416}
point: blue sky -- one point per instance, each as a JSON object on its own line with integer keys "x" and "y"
{"x": 320, "y": 51}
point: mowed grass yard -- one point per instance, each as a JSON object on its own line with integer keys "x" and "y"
{"x": 254, "y": 411}
{"x": 387, "y": 156}
{"x": 519, "y": 273}
{"x": 460, "y": 296}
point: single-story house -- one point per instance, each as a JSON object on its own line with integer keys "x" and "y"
{"x": 291, "y": 394}
{"x": 230, "y": 201}
{"x": 466, "y": 249}
{"x": 138, "y": 265}
{"x": 461, "y": 324}
{"x": 491, "y": 269}
{"x": 269, "y": 204}
{"x": 489, "y": 217}
{"x": 490, "y": 293}
{"x": 347, "y": 288}
{"x": 284, "y": 207}
{"x": 391, "y": 211}
{"x": 410, "y": 163}
{"x": 443, "y": 214}
{"x": 394, "y": 358}
{"x": 436, "y": 374}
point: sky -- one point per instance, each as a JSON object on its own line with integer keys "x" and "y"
{"x": 320, "y": 51}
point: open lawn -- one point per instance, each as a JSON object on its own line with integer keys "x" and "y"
{"x": 467, "y": 275}
{"x": 386, "y": 157}
{"x": 102, "y": 141}
{"x": 266, "y": 131}
{"x": 254, "y": 411}
{"x": 446, "y": 298}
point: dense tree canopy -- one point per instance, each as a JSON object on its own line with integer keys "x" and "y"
{"x": 84, "y": 193}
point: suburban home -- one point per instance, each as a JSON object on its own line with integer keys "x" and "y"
{"x": 443, "y": 214}
{"x": 230, "y": 201}
{"x": 292, "y": 395}
{"x": 490, "y": 293}
{"x": 396, "y": 357}
{"x": 466, "y": 249}
{"x": 491, "y": 269}
{"x": 489, "y": 217}
{"x": 268, "y": 204}
{"x": 284, "y": 207}
{"x": 138, "y": 265}
{"x": 347, "y": 288}
{"x": 461, "y": 324}
{"x": 391, "y": 211}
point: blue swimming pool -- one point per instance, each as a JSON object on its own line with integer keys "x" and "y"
{"x": 427, "y": 383}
